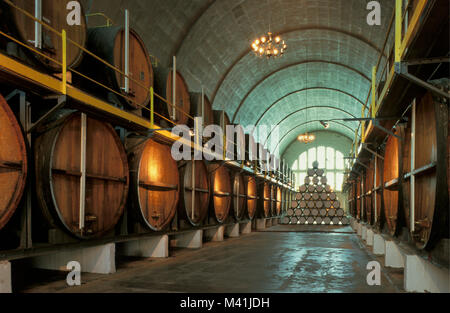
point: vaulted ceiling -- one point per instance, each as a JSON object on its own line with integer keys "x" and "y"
{"x": 324, "y": 74}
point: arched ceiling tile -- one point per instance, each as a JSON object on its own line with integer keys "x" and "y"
{"x": 294, "y": 78}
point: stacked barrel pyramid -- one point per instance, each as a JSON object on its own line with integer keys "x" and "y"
{"x": 315, "y": 203}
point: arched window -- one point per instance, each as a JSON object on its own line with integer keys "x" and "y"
{"x": 330, "y": 159}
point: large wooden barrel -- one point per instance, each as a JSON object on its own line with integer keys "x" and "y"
{"x": 378, "y": 197}
{"x": 13, "y": 163}
{"x": 221, "y": 119}
{"x": 273, "y": 197}
{"x": 368, "y": 204}
{"x": 198, "y": 108}
{"x": 265, "y": 201}
{"x": 392, "y": 181}
{"x": 239, "y": 196}
{"x": 59, "y": 175}
{"x": 54, "y": 14}
{"x": 221, "y": 191}
{"x": 358, "y": 199}
{"x": 431, "y": 192}
{"x": 108, "y": 43}
{"x": 251, "y": 190}
{"x": 279, "y": 201}
{"x": 164, "y": 88}
{"x": 193, "y": 211}
{"x": 154, "y": 182}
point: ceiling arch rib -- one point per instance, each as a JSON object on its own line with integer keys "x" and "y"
{"x": 310, "y": 108}
{"x": 303, "y": 90}
{"x": 291, "y": 79}
{"x": 314, "y": 99}
{"x": 289, "y": 134}
{"x": 293, "y": 65}
{"x": 358, "y": 38}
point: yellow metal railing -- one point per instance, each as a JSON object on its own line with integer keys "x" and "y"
{"x": 66, "y": 88}
{"x": 383, "y": 74}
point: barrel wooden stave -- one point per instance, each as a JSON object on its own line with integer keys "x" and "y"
{"x": 108, "y": 43}
{"x": 55, "y": 15}
{"x": 239, "y": 196}
{"x": 221, "y": 191}
{"x": 58, "y": 171}
{"x": 197, "y": 214}
{"x": 13, "y": 163}
{"x": 154, "y": 182}
{"x": 251, "y": 190}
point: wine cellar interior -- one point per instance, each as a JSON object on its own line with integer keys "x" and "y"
{"x": 224, "y": 146}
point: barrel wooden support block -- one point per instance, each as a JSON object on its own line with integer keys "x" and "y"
{"x": 394, "y": 257}
{"x": 359, "y": 229}
{"x": 423, "y": 276}
{"x": 5, "y": 277}
{"x": 275, "y": 221}
{"x": 152, "y": 247}
{"x": 261, "y": 224}
{"x": 214, "y": 234}
{"x": 369, "y": 237}
{"x": 245, "y": 228}
{"x": 269, "y": 222}
{"x": 97, "y": 259}
{"x": 191, "y": 240}
{"x": 232, "y": 230}
{"x": 379, "y": 245}
{"x": 364, "y": 232}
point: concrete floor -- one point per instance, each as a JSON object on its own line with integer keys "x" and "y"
{"x": 288, "y": 259}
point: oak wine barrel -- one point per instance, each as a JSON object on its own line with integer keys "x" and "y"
{"x": 327, "y": 220}
{"x": 198, "y": 108}
{"x": 290, "y": 212}
{"x": 369, "y": 193}
{"x": 13, "y": 163}
{"x": 294, "y": 220}
{"x": 298, "y": 196}
{"x": 302, "y": 220}
{"x": 319, "y": 220}
{"x": 59, "y": 173}
{"x": 154, "y": 182}
{"x": 252, "y": 196}
{"x": 54, "y": 14}
{"x": 164, "y": 87}
{"x": 431, "y": 193}
{"x": 195, "y": 214}
{"x": 221, "y": 191}
{"x": 108, "y": 43}
{"x": 278, "y": 201}
{"x": 379, "y": 193}
{"x": 265, "y": 199}
{"x": 298, "y": 213}
{"x": 285, "y": 220}
{"x": 310, "y": 220}
{"x": 391, "y": 176}
{"x": 358, "y": 199}
{"x": 239, "y": 196}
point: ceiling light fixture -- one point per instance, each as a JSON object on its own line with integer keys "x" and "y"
{"x": 269, "y": 46}
{"x": 306, "y": 138}
{"x": 325, "y": 124}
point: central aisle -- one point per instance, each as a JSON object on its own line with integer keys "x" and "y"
{"x": 282, "y": 259}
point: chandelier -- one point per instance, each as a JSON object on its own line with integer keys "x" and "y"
{"x": 269, "y": 46}
{"x": 306, "y": 138}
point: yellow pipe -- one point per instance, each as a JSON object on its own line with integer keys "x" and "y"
{"x": 152, "y": 99}
{"x": 374, "y": 91}
{"x": 398, "y": 30}
{"x": 64, "y": 62}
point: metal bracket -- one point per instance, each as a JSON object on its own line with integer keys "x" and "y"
{"x": 366, "y": 147}
{"x": 362, "y": 164}
{"x": 376, "y": 124}
{"x": 401, "y": 68}
{"x": 61, "y": 101}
